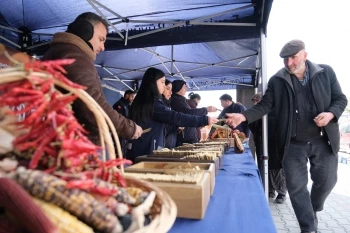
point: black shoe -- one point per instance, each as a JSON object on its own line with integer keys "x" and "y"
{"x": 280, "y": 199}
{"x": 272, "y": 195}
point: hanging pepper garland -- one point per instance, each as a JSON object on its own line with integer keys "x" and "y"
{"x": 54, "y": 137}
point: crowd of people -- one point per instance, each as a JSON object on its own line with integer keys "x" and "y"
{"x": 304, "y": 101}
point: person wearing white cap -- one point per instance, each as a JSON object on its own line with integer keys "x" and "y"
{"x": 308, "y": 101}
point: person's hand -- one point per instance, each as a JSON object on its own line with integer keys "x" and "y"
{"x": 234, "y": 119}
{"x": 212, "y": 120}
{"x": 323, "y": 118}
{"x": 211, "y": 109}
{"x": 138, "y": 132}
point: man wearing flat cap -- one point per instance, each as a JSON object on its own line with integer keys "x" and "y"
{"x": 308, "y": 101}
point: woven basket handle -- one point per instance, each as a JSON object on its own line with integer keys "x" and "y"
{"x": 104, "y": 123}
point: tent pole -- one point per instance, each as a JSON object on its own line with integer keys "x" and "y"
{"x": 114, "y": 75}
{"x": 11, "y": 29}
{"x": 264, "y": 175}
{"x": 10, "y": 42}
{"x": 91, "y": 2}
{"x": 172, "y": 59}
{"x": 38, "y": 45}
{"x": 189, "y": 22}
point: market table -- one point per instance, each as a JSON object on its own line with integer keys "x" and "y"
{"x": 238, "y": 204}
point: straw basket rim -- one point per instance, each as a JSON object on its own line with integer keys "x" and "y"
{"x": 166, "y": 215}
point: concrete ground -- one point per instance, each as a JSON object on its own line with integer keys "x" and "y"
{"x": 334, "y": 218}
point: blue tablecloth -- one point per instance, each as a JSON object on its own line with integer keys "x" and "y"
{"x": 238, "y": 204}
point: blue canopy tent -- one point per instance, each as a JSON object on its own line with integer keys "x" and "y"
{"x": 213, "y": 44}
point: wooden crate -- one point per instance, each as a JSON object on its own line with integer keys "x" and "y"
{"x": 230, "y": 141}
{"x": 191, "y": 199}
{"x": 158, "y": 158}
{"x": 150, "y": 167}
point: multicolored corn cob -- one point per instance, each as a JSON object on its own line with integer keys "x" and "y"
{"x": 78, "y": 203}
{"x": 18, "y": 203}
{"x": 65, "y": 222}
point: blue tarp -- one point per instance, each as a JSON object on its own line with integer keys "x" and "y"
{"x": 238, "y": 203}
{"x": 212, "y": 44}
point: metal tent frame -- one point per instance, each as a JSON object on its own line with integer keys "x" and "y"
{"x": 149, "y": 26}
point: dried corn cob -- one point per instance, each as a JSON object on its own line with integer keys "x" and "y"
{"x": 139, "y": 212}
{"x": 65, "y": 222}
{"x": 78, "y": 203}
{"x": 122, "y": 195}
{"x": 20, "y": 205}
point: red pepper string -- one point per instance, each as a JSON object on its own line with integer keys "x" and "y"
{"x": 58, "y": 140}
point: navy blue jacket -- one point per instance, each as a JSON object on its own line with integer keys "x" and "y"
{"x": 154, "y": 139}
{"x": 179, "y": 103}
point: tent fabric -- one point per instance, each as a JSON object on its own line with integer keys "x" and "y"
{"x": 205, "y": 66}
{"x": 193, "y": 40}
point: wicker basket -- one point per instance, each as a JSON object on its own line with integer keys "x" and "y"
{"x": 164, "y": 209}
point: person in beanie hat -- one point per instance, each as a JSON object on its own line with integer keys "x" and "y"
{"x": 308, "y": 101}
{"x": 179, "y": 103}
{"x": 178, "y": 85}
{"x": 149, "y": 111}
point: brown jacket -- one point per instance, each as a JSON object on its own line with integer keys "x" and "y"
{"x": 82, "y": 71}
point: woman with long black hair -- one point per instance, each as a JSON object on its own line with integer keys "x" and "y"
{"x": 149, "y": 111}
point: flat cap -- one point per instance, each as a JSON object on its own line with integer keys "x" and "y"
{"x": 292, "y": 47}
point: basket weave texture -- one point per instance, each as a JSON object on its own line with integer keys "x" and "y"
{"x": 164, "y": 209}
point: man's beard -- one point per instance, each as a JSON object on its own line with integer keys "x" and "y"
{"x": 297, "y": 69}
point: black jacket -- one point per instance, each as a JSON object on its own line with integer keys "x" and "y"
{"x": 327, "y": 94}
{"x": 179, "y": 103}
{"x": 154, "y": 139}
{"x": 256, "y": 129}
{"x": 122, "y": 106}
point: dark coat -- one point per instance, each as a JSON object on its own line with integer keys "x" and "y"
{"x": 122, "y": 106}
{"x": 194, "y": 104}
{"x": 170, "y": 130}
{"x": 256, "y": 129}
{"x": 327, "y": 94}
{"x": 154, "y": 139}
{"x": 179, "y": 103}
{"x": 236, "y": 108}
{"x": 83, "y": 71}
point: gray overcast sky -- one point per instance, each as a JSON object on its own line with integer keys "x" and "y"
{"x": 323, "y": 25}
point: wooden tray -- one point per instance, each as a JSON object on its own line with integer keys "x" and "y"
{"x": 142, "y": 158}
{"x": 225, "y": 144}
{"x": 191, "y": 199}
{"x": 156, "y": 167}
{"x": 180, "y": 154}
{"x": 230, "y": 141}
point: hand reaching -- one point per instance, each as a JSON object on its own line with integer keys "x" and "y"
{"x": 138, "y": 132}
{"x": 212, "y": 120}
{"x": 211, "y": 109}
{"x": 234, "y": 119}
